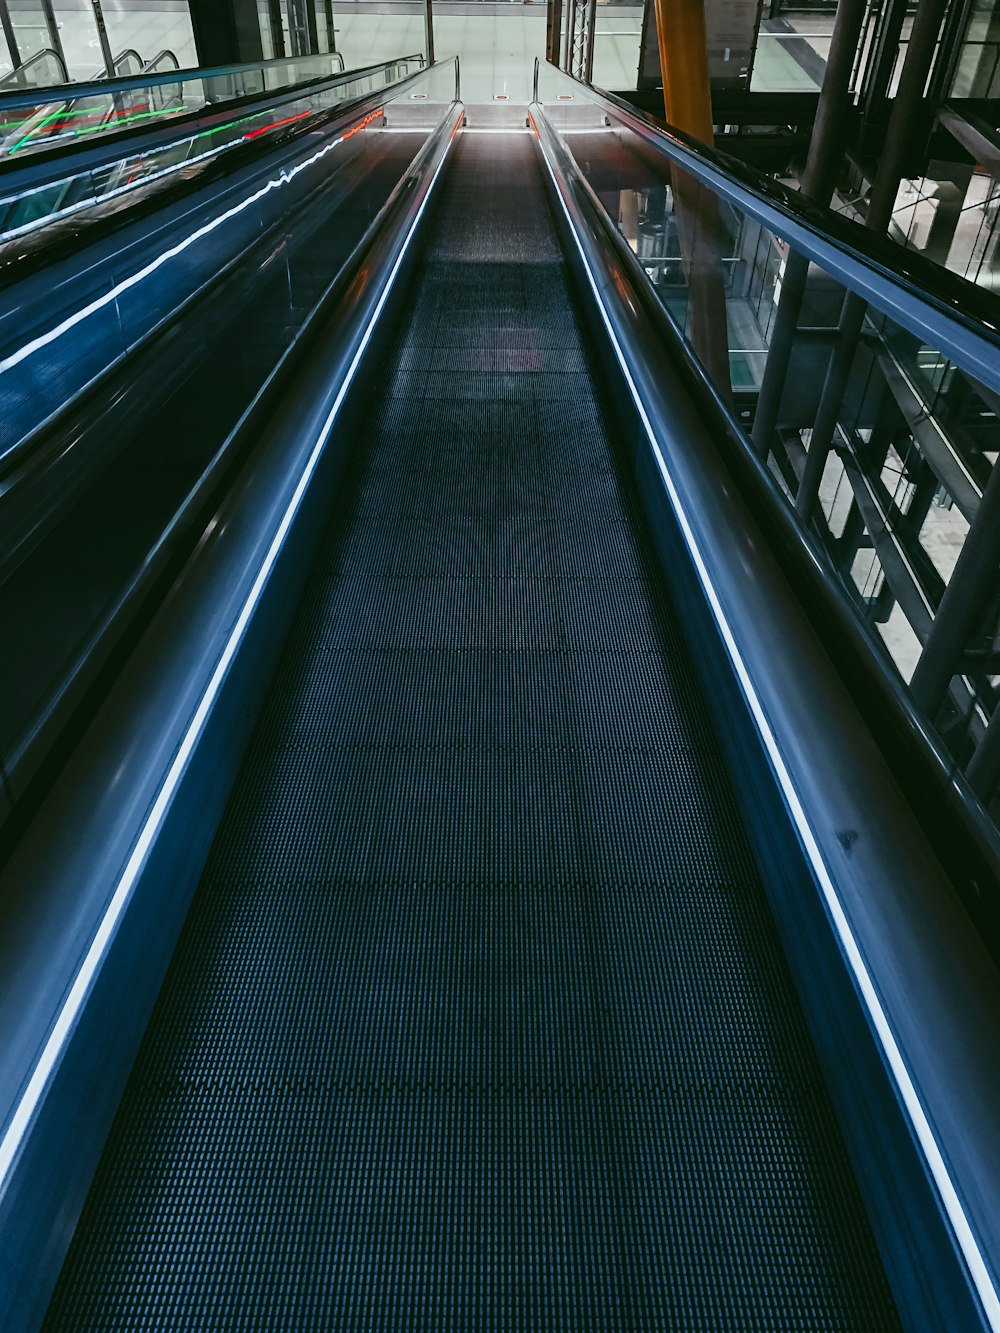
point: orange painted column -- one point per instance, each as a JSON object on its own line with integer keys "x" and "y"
{"x": 687, "y": 99}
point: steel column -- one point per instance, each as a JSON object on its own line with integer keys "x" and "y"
{"x": 881, "y": 63}
{"x": 102, "y": 37}
{"x": 298, "y": 27}
{"x": 580, "y": 39}
{"x": 429, "y": 29}
{"x": 8, "y": 32}
{"x": 277, "y": 28}
{"x": 312, "y": 26}
{"x": 973, "y": 579}
{"x": 553, "y": 30}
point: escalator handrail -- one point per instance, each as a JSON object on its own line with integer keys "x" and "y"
{"x": 818, "y": 753}
{"x": 19, "y": 457}
{"x": 100, "y": 87}
{"x": 956, "y": 316}
{"x": 14, "y": 81}
{"x": 151, "y": 66}
{"x": 38, "y": 169}
{"x": 122, "y": 56}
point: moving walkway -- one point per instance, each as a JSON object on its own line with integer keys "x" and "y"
{"x": 547, "y": 936}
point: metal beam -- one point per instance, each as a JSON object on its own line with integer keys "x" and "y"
{"x": 277, "y": 28}
{"x": 429, "y": 29}
{"x": 553, "y": 30}
{"x": 102, "y": 38}
{"x": 55, "y": 38}
{"x": 8, "y": 32}
{"x": 818, "y": 180}
{"x": 973, "y": 580}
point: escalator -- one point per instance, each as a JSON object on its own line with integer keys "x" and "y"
{"x": 479, "y": 1018}
{"x": 583, "y": 931}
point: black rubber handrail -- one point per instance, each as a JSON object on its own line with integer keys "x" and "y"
{"x": 151, "y": 66}
{"x": 14, "y": 80}
{"x": 122, "y": 56}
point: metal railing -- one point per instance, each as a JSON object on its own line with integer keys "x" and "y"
{"x": 903, "y": 505}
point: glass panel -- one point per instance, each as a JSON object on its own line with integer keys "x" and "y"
{"x": 41, "y": 70}
{"x": 370, "y": 32}
{"x": 34, "y": 127}
{"x": 31, "y": 30}
{"x": 617, "y": 37}
{"x": 149, "y": 27}
{"x": 791, "y": 58}
{"x": 878, "y": 441}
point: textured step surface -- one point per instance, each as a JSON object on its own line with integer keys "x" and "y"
{"x": 479, "y": 1020}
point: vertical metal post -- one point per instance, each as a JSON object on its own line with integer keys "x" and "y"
{"x": 881, "y": 62}
{"x": 55, "y": 39}
{"x": 588, "y": 56}
{"x": 580, "y": 39}
{"x": 102, "y": 37}
{"x": 277, "y": 29}
{"x": 973, "y": 579}
{"x": 818, "y": 180}
{"x": 8, "y": 32}
{"x": 312, "y": 25}
{"x": 298, "y": 27}
{"x": 331, "y": 31}
{"x": 553, "y": 30}
{"x": 956, "y": 25}
{"x": 429, "y": 29}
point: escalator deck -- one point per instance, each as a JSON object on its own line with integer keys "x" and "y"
{"x": 479, "y": 1019}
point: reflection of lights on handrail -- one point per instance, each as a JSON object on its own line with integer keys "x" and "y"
{"x": 277, "y": 124}
{"x": 50, "y": 1054}
{"x": 100, "y": 120}
{"x": 108, "y": 298}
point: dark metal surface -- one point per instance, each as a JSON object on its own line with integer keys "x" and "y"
{"x": 902, "y": 996}
{"x": 479, "y": 1019}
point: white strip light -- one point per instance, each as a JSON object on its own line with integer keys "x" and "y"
{"x": 978, "y": 1270}
{"x": 54, "y": 1046}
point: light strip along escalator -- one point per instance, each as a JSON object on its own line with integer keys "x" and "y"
{"x": 479, "y": 1019}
